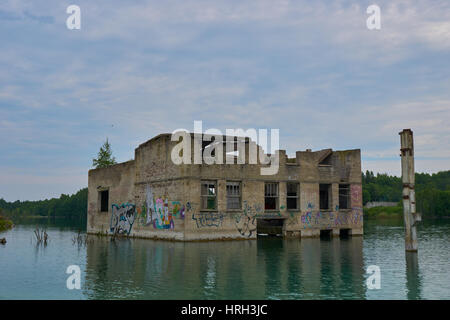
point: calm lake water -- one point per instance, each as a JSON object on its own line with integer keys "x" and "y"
{"x": 267, "y": 268}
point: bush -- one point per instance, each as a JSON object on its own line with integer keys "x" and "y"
{"x": 5, "y": 224}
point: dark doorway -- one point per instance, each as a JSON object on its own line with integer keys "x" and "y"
{"x": 271, "y": 227}
{"x": 325, "y": 234}
{"x": 344, "y": 233}
{"x": 344, "y": 196}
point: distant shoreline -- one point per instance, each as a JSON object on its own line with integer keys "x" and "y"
{"x": 392, "y": 213}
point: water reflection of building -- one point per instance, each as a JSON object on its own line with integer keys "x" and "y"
{"x": 267, "y": 268}
{"x": 310, "y": 269}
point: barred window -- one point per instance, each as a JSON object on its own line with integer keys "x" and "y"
{"x": 325, "y": 196}
{"x": 292, "y": 196}
{"x": 233, "y": 195}
{"x": 344, "y": 196}
{"x": 271, "y": 196}
{"x": 209, "y": 195}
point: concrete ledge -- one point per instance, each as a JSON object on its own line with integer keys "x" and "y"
{"x": 315, "y": 233}
{"x": 217, "y": 236}
{"x": 310, "y": 233}
{"x": 356, "y": 232}
{"x": 292, "y": 234}
{"x": 175, "y": 236}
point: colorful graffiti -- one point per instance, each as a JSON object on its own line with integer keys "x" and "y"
{"x": 330, "y": 219}
{"x": 178, "y": 209}
{"x": 357, "y": 216}
{"x": 160, "y": 212}
{"x": 208, "y": 219}
{"x": 307, "y": 217}
{"x": 122, "y": 218}
{"x": 162, "y": 217}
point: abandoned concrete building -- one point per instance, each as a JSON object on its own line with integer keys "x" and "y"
{"x": 314, "y": 194}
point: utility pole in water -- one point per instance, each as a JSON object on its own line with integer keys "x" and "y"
{"x": 409, "y": 199}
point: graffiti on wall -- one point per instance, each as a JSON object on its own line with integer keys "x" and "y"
{"x": 145, "y": 213}
{"x": 306, "y": 218}
{"x": 162, "y": 217}
{"x": 258, "y": 211}
{"x": 246, "y": 221}
{"x": 149, "y": 205}
{"x": 357, "y": 216}
{"x": 255, "y": 210}
{"x": 122, "y": 218}
{"x": 246, "y": 225}
{"x": 292, "y": 218}
{"x": 178, "y": 209}
{"x": 204, "y": 219}
{"x": 330, "y": 219}
{"x": 160, "y": 212}
{"x": 208, "y": 219}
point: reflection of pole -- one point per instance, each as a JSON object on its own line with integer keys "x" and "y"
{"x": 409, "y": 199}
{"x": 413, "y": 282}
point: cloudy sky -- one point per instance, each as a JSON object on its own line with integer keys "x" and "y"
{"x": 140, "y": 68}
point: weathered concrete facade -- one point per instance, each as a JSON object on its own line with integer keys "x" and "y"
{"x": 151, "y": 197}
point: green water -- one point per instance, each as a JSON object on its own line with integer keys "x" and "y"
{"x": 267, "y": 268}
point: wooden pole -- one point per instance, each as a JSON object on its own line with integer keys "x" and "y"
{"x": 409, "y": 199}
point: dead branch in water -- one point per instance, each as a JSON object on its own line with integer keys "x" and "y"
{"x": 41, "y": 236}
{"x": 80, "y": 239}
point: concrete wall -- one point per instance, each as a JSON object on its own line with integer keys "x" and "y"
{"x": 119, "y": 181}
{"x": 159, "y": 191}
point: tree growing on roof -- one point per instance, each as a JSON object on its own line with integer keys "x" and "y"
{"x": 104, "y": 158}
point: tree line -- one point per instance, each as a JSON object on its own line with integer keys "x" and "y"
{"x": 432, "y": 191}
{"x": 68, "y": 206}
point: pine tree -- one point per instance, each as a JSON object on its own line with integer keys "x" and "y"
{"x": 104, "y": 158}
